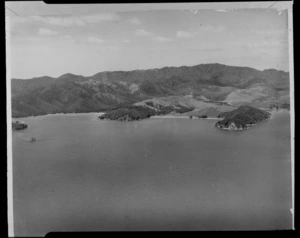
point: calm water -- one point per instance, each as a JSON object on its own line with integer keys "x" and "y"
{"x": 157, "y": 174}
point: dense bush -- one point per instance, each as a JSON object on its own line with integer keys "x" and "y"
{"x": 183, "y": 109}
{"x": 285, "y": 106}
{"x": 131, "y": 113}
{"x": 241, "y": 117}
{"x": 164, "y": 110}
{"x": 150, "y": 104}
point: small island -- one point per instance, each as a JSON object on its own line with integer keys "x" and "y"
{"x": 241, "y": 118}
{"x": 19, "y": 125}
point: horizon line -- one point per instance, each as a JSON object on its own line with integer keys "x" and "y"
{"x": 157, "y": 68}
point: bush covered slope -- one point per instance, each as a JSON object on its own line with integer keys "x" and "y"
{"x": 129, "y": 114}
{"x": 241, "y": 117}
{"x": 118, "y": 89}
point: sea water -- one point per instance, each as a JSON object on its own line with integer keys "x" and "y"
{"x": 86, "y": 174}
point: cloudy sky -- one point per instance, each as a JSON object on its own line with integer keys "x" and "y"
{"x": 86, "y": 42}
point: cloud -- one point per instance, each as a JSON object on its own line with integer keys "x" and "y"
{"x": 107, "y": 50}
{"x": 19, "y": 20}
{"x": 67, "y": 37}
{"x": 184, "y": 34}
{"x": 76, "y": 20}
{"x": 194, "y": 11}
{"x": 273, "y": 43}
{"x": 201, "y": 28}
{"x": 222, "y": 10}
{"x": 135, "y": 21}
{"x": 212, "y": 49}
{"x": 96, "y": 18}
{"x": 95, "y": 40}
{"x": 59, "y": 21}
{"x": 211, "y": 28}
{"x": 142, "y": 32}
{"x": 162, "y": 39}
{"x": 47, "y": 32}
{"x": 272, "y": 32}
{"x": 126, "y": 41}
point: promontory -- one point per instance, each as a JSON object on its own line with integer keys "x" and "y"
{"x": 241, "y": 118}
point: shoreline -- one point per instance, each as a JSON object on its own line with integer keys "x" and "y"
{"x": 168, "y": 116}
{"x": 276, "y": 112}
{"x": 60, "y": 114}
{"x": 273, "y": 113}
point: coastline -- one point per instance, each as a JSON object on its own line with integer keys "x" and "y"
{"x": 60, "y": 114}
{"x": 273, "y": 113}
{"x": 170, "y": 116}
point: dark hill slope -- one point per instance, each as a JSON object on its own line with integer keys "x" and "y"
{"x": 241, "y": 117}
{"x": 110, "y": 90}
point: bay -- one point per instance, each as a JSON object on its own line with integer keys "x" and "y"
{"x": 85, "y": 174}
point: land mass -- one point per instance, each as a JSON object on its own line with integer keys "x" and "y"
{"x": 241, "y": 118}
{"x": 200, "y": 90}
{"x": 18, "y": 125}
{"x": 135, "y": 112}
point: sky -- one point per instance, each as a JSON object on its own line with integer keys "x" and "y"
{"x": 54, "y": 40}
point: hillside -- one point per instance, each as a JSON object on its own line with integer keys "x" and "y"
{"x": 241, "y": 118}
{"x": 201, "y": 86}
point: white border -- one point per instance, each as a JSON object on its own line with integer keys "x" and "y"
{"x": 140, "y": 7}
{"x": 292, "y": 102}
{"x": 10, "y": 217}
{"x": 41, "y": 8}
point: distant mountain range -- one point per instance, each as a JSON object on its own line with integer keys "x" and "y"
{"x": 205, "y": 83}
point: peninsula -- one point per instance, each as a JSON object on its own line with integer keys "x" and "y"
{"x": 241, "y": 118}
{"x": 139, "y": 112}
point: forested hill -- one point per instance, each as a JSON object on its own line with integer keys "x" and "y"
{"x": 108, "y": 90}
{"x": 241, "y": 118}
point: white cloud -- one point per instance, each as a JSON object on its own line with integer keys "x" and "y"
{"x": 95, "y": 18}
{"x": 75, "y": 20}
{"x": 222, "y": 10}
{"x": 142, "y": 32}
{"x": 67, "y": 37}
{"x": 271, "y": 32}
{"x": 107, "y": 50}
{"x": 162, "y": 39}
{"x": 59, "y": 21}
{"x": 135, "y": 21}
{"x": 212, "y": 28}
{"x": 95, "y": 40}
{"x": 201, "y": 28}
{"x": 184, "y": 34}
{"x": 273, "y": 43}
{"x": 194, "y": 11}
{"x": 19, "y": 20}
{"x": 126, "y": 41}
{"x": 47, "y": 32}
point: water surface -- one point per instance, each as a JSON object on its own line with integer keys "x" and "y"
{"x": 84, "y": 174}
